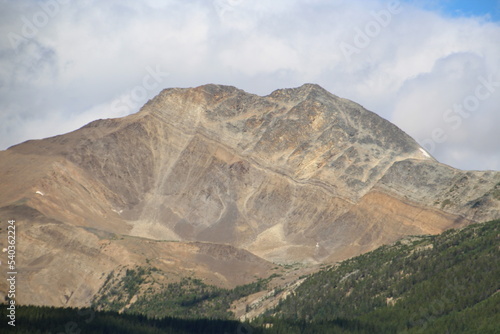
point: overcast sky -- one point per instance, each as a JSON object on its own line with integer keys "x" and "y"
{"x": 431, "y": 67}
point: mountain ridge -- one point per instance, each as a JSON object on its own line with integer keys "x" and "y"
{"x": 299, "y": 175}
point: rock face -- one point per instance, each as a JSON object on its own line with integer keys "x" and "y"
{"x": 299, "y": 175}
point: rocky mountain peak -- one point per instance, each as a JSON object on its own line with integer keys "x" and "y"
{"x": 306, "y": 133}
{"x": 299, "y": 175}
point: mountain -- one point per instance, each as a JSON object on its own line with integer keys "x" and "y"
{"x": 215, "y": 183}
{"x": 421, "y": 284}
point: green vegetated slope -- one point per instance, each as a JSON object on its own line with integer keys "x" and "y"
{"x": 447, "y": 283}
{"x": 188, "y": 299}
{"x": 428, "y": 284}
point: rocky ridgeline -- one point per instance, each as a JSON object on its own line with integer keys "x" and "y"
{"x": 300, "y": 175}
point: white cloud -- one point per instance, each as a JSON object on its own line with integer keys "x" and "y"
{"x": 89, "y": 56}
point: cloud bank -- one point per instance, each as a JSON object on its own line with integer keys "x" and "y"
{"x": 436, "y": 76}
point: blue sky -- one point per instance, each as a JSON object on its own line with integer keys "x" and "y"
{"x": 478, "y": 7}
{"x": 462, "y": 8}
{"x": 431, "y": 67}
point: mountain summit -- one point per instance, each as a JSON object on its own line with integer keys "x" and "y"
{"x": 300, "y": 175}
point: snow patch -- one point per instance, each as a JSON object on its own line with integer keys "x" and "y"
{"x": 425, "y": 153}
